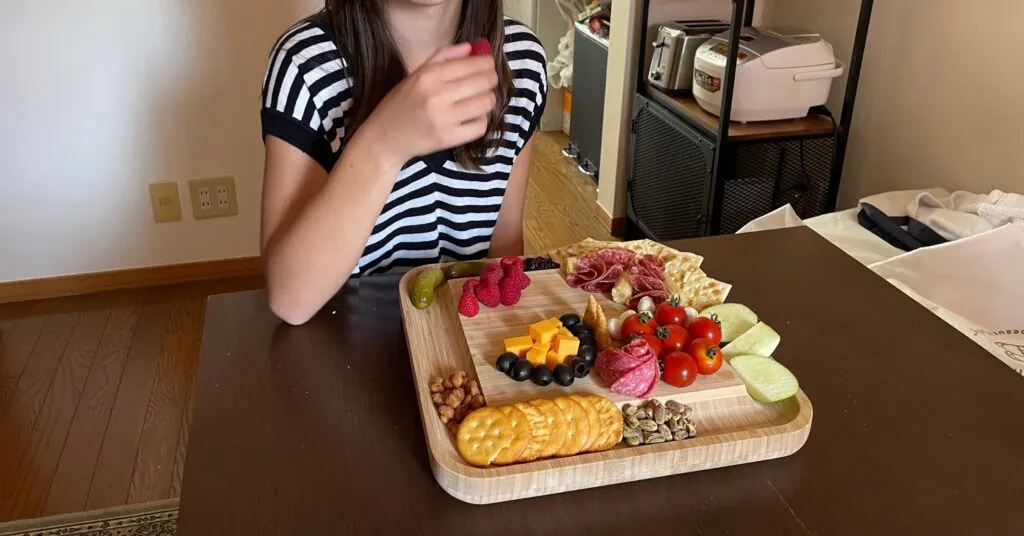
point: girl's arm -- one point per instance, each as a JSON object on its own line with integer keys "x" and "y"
{"x": 508, "y": 232}
{"x": 315, "y": 225}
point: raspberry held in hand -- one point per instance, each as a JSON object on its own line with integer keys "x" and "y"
{"x": 481, "y": 47}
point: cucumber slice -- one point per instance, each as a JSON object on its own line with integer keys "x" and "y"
{"x": 735, "y": 319}
{"x": 767, "y": 380}
{"x": 758, "y": 340}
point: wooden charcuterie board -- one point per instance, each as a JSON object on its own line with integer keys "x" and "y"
{"x": 733, "y": 428}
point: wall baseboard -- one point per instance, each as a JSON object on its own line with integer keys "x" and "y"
{"x": 615, "y": 226}
{"x": 70, "y": 285}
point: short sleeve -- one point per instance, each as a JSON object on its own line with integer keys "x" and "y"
{"x": 528, "y": 63}
{"x": 301, "y": 99}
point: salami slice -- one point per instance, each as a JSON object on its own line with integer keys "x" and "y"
{"x": 638, "y": 382}
{"x": 619, "y": 256}
{"x": 657, "y": 296}
{"x": 604, "y": 282}
{"x": 612, "y": 363}
{"x": 639, "y": 350}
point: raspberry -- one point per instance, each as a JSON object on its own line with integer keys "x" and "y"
{"x": 510, "y": 291}
{"x": 468, "y": 305}
{"x": 470, "y": 285}
{"x": 520, "y": 279}
{"x": 481, "y": 47}
{"x": 488, "y": 293}
{"x": 508, "y": 263}
{"x": 491, "y": 274}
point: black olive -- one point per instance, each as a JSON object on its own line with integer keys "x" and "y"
{"x": 563, "y": 375}
{"x": 542, "y": 375}
{"x": 588, "y": 353}
{"x": 571, "y": 319}
{"x": 521, "y": 370}
{"x": 588, "y": 340}
{"x": 581, "y": 329}
{"x": 505, "y": 362}
{"x": 580, "y": 368}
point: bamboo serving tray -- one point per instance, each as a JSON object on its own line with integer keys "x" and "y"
{"x": 731, "y": 427}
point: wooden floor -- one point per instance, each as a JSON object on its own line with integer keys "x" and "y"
{"x": 95, "y": 391}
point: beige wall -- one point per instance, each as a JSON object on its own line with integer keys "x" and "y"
{"x": 941, "y": 100}
{"x": 103, "y": 97}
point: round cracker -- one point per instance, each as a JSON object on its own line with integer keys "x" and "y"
{"x": 577, "y": 429}
{"x": 523, "y": 433}
{"x": 593, "y": 421}
{"x": 556, "y": 425}
{"x": 540, "y": 429}
{"x": 482, "y": 436}
{"x": 611, "y": 423}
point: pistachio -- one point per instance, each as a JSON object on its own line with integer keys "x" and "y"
{"x": 652, "y": 438}
{"x": 648, "y": 425}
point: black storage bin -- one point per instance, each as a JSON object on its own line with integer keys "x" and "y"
{"x": 590, "y": 70}
{"x": 670, "y": 195}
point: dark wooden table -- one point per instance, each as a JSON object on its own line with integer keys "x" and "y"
{"x": 315, "y": 430}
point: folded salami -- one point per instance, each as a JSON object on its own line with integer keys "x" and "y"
{"x": 612, "y": 364}
{"x": 638, "y": 382}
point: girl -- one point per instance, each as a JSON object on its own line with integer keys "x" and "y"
{"x": 388, "y": 145}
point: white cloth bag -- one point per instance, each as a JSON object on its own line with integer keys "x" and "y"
{"x": 975, "y": 284}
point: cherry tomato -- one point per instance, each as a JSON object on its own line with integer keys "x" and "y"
{"x": 706, "y": 328}
{"x": 707, "y": 355}
{"x": 680, "y": 369}
{"x": 670, "y": 312}
{"x": 655, "y": 343}
{"x": 637, "y": 325}
{"x": 674, "y": 337}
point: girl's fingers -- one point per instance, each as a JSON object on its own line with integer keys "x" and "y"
{"x": 468, "y": 131}
{"x": 445, "y": 54}
{"x": 473, "y": 108}
{"x": 472, "y": 86}
{"x": 459, "y": 68}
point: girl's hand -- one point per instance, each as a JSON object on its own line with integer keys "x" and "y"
{"x": 443, "y": 104}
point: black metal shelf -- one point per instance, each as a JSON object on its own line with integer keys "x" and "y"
{"x": 814, "y": 126}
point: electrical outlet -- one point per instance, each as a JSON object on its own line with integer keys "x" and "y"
{"x": 165, "y": 201}
{"x": 213, "y": 198}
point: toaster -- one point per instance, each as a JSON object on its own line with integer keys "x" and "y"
{"x": 674, "y": 49}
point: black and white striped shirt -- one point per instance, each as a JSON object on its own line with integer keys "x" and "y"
{"x": 438, "y": 210}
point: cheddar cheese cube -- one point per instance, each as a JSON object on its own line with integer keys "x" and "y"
{"x": 566, "y": 346}
{"x": 563, "y": 332}
{"x": 538, "y": 354}
{"x": 553, "y": 359}
{"x": 518, "y": 345}
{"x": 544, "y": 331}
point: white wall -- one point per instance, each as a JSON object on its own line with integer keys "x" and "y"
{"x": 100, "y": 98}
{"x": 940, "y": 95}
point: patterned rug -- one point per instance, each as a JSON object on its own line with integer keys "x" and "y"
{"x": 159, "y": 518}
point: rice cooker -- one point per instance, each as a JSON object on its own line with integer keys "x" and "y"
{"x": 677, "y": 42}
{"x": 780, "y": 73}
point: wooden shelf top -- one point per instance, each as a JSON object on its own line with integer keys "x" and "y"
{"x": 687, "y": 107}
